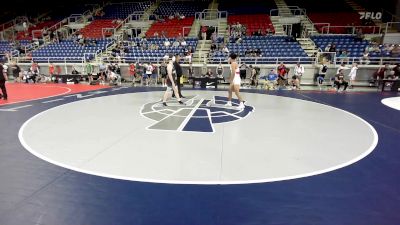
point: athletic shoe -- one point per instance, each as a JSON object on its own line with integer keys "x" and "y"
{"x": 182, "y": 103}
{"x": 241, "y": 105}
{"x": 164, "y": 104}
{"x": 228, "y": 104}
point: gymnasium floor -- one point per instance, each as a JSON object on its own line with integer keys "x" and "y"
{"x": 115, "y": 156}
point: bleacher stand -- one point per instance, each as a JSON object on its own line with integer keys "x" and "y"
{"x": 22, "y": 35}
{"x": 170, "y": 28}
{"x": 183, "y": 8}
{"x": 272, "y": 48}
{"x": 336, "y": 13}
{"x": 349, "y": 43}
{"x": 123, "y": 10}
{"x": 95, "y": 28}
{"x": 69, "y": 50}
{"x": 137, "y": 53}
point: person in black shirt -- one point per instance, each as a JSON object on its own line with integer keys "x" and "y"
{"x": 179, "y": 73}
{"x": 3, "y": 79}
{"x": 16, "y": 72}
{"x": 171, "y": 87}
{"x": 209, "y": 73}
{"x": 339, "y": 81}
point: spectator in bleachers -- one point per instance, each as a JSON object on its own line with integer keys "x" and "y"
{"x": 247, "y": 53}
{"x": 332, "y": 48}
{"x": 180, "y": 38}
{"x": 395, "y": 52}
{"x": 387, "y": 48}
{"x": 155, "y": 34}
{"x": 175, "y": 44}
{"x": 214, "y": 37}
{"x": 167, "y": 43}
{"x": 183, "y": 42}
{"x": 225, "y": 49}
{"x": 268, "y": 31}
{"x": 258, "y": 52}
{"x": 204, "y": 32}
{"x": 163, "y": 34}
{"x": 257, "y": 33}
{"x": 343, "y": 56}
{"x": 327, "y": 48}
{"x": 365, "y": 58}
{"x": 374, "y": 48}
{"x": 188, "y": 54}
{"x": 359, "y": 35}
{"x": 213, "y": 47}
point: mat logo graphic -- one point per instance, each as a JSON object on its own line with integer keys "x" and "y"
{"x": 198, "y": 115}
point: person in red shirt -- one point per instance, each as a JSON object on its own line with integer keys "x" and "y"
{"x": 204, "y": 32}
{"x": 51, "y": 69}
{"x": 132, "y": 72}
{"x": 282, "y": 71}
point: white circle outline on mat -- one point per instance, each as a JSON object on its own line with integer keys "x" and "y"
{"x": 205, "y": 182}
{"x": 388, "y": 102}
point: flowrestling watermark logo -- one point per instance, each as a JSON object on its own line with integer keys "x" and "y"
{"x": 197, "y": 115}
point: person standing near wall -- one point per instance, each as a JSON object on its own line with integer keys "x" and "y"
{"x": 3, "y": 79}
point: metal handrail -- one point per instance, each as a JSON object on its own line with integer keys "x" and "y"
{"x": 354, "y": 28}
{"x": 203, "y": 15}
{"x": 391, "y": 24}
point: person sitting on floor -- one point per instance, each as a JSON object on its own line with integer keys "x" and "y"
{"x": 339, "y": 81}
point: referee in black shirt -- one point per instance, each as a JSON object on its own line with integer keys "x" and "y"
{"x": 178, "y": 70}
{"x": 3, "y": 79}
